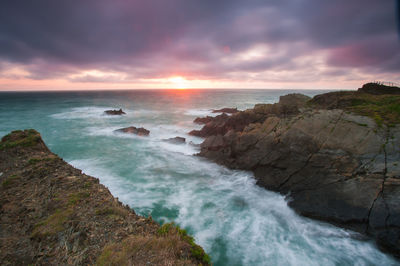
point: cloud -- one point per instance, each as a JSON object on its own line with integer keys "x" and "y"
{"x": 205, "y": 39}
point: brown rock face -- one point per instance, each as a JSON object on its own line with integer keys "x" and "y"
{"x": 221, "y": 124}
{"x": 52, "y": 214}
{"x": 134, "y": 130}
{"x": 203, "y": 120}
{"x": 334, "y": 165}
{"x": 114, "y": 112}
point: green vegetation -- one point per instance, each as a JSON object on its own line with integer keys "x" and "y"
{"x": 196, "y": 250}
{"x": 9, "y": 181}
{"x": 172, "y": 247}
{"x": 112, "y": 212}
{"x": 26, "y": 138}
{"x": 384, "y": 109}
{"x": 33, "y": 161}
{"x": 75, "y": 198}
{"x": 87, "y": 184}
{"x": 52, "y": 225}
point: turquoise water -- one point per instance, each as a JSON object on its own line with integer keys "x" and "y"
{"x": 235, "y": 221}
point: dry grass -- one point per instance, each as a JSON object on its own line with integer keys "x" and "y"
{"x": 144, "y": 250}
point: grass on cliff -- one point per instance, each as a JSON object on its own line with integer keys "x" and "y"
{"x": 384, "y": 109}
{"x": 26, "y": 138}
{"x": 196, "y": 250}
{"x": 172, "y": 246}
{"x": 52, "y": 224}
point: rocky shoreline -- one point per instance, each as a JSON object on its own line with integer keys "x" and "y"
{"x": 52, "y": 213}
{"x": 336, "y": 157}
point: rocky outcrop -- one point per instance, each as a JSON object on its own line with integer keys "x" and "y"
{"x": 203, "y": 120}
{"x": 52, "y": 214}
{"x": 134, "y": 130}
{"x": 114, "y": 112}
{"x": 176, "y": 140}
{"x": 226, "y": 110}
{"x": 332, "y": 164}
{"x": 379, "y": 89}
{"x": 221, "y": 124}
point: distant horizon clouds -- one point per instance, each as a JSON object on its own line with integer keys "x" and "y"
{"x": 321, "y": 44}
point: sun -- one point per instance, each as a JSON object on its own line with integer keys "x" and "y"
{"x": 178, "y": 82}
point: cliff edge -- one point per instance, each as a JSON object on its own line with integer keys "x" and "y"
{"x": 51, "y": 213}
{"x": 336, "y": 156}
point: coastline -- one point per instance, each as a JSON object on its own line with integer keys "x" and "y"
{"x": 54, "y": 214}
{"x": 334, "y": 156}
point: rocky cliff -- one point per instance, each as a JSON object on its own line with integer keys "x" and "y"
{"x": 52, "y": 214}
{"x": 336, "y": 156}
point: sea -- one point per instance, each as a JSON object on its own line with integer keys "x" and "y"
{"x": 234, "y": 220}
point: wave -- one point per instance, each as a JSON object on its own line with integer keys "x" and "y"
{"x": 200, "y": 112}
{"x": 236, "y": 221}
{"x": 83, "y": 113}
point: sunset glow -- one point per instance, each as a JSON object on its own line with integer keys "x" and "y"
{"x": 250, "y": 44}
{"x": 178, "y": 82}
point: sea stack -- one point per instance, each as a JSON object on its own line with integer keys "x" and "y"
{"x": 134, "y": 130}
{"x": 114, "y": 112}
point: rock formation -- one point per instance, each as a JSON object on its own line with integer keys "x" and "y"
{"x": 114, "y": 112}
{"x": 134, "y": 130}
{"x": 226, "y": 110}
{"x": 176, "y": 140}
{"x": 336, "y": 157}
{"x": 203, "y": 120}
{"x": 52, "y": 214}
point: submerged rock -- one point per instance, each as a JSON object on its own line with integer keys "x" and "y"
{"x": 114, "y": 112}
{"x": 334, "y": 165}
{"x": 134, "y": 130}
{"x": 52, "y": 214}
{"x": 176, "y": 140}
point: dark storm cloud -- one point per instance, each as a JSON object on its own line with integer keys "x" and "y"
{"x": 155, "y": 38}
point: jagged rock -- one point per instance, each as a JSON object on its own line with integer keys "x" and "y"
{"x": 134, "y": 130}
{"x": 221, "y": 124}
{"x": 226, "y": 110}
{"x": 203, "y": 120}
{"x": 114, "y": 112}
{"x": 334, "y": 165}
{"x": 176, "y": 140}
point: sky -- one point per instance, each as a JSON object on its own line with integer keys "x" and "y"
{"x": 271, "y": 44}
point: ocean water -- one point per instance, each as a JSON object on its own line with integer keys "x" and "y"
{"x": 237, "y": 222}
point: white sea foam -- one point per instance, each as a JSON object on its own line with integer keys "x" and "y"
{"x": 82, "y": 113}
{"x": 236, "y": 221}
{"x": 200, "y": 112}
